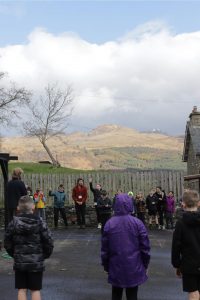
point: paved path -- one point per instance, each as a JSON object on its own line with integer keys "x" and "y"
{"x": 74, "y": 271}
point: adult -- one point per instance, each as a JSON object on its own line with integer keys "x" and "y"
{"x": 14, "y": 190}
{"x": 79, "y": 195}
{"x": 97, "y": 195}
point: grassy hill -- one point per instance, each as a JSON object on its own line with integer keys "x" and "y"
{"x": 106, "y": 147}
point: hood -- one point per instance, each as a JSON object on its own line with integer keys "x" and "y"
{"x": 191, "y": 218}
{"x": 123, "y": 205}
{"x": 27, "y": 223}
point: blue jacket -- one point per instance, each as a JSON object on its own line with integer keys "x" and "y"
{"x": 59, "y": 198}
{"x": 125, "y": 246}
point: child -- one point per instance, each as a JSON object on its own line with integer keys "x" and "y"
{"x": 141, "y": 206}
{"x": 29, "y": 242}
{"x": 186, "y": 245}
{"x": 59, "y": 205}
{"x": 151, "y": 204}
{"x": 161, "y": 205}
{"x": 104, "y": 205}
{"x": 40, "y": 200}
{"x": 125, "y": 250}
{"x": 170, "y": 209}
{"x": 97, "y": 194}
{"x": 134, "y": 212}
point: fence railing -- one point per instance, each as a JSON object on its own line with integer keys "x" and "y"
{"x": 110, "y": 180}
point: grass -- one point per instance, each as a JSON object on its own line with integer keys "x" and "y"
{"x": 36, "y": 168}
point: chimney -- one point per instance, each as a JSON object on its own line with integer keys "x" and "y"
{"x": 195, "y": 117}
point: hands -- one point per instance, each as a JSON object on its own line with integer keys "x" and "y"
{"x": 178, "y": 273}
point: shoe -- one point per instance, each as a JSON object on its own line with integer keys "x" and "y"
{"x": 83, "y": 226}
{"x": 99, "y": 226}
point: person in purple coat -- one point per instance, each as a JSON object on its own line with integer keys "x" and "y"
{"x": 125, "y": 250}
{"x": 170, "y": 210}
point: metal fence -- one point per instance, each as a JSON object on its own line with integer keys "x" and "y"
{"x": 110, "y": 180}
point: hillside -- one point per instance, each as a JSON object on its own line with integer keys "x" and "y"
{"x": 105, "y": 147}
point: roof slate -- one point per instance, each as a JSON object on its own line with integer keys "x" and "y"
{"x": 192, "y": 135}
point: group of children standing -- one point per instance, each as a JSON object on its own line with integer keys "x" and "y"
{"x": 157, "y": 209}
{"x": 125, "y": 247}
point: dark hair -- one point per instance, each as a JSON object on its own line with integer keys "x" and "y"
{"x": 79, "y": 179}
{"x": 61, "y": 186}
{"x": 159, "y": 187}
{"x": 104, "y": 193}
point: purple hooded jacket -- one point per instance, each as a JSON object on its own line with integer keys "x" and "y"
{"x": 125, "y": 246}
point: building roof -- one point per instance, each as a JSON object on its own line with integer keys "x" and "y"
{"x": 192, "y": 135}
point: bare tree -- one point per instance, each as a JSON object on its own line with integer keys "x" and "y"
{"x": 11, "y": 99}
{"x": 49, "y": 116}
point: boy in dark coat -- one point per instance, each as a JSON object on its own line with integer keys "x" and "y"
{"x": 104, "y": 205}
{"x": 186, "y": 245}
{"x": 151, "y": 205}
{"x": 125, "y": 250}
{"x": 29, "y": 242}
{"x": 97, "y": 194}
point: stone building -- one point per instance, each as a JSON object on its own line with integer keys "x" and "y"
{"x": 191, "y": 152}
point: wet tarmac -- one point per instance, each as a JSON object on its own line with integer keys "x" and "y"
{"x": 74, "y": 271}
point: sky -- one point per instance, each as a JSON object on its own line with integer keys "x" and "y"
{"x": 131, "y": 63}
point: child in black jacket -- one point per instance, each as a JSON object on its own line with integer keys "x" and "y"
{"x": 186, "y": 245}
{"x": 29, "y": 242}
{"x": 105, "y": 208}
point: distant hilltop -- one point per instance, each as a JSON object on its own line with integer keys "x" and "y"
{"x": 108, "y": 146}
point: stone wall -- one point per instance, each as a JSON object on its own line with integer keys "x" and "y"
{"x": 91, "y": 220}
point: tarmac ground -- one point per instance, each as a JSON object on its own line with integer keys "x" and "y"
{"x": 74, "y": 271}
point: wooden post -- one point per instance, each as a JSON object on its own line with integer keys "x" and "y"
{"x": 4, "y": 159}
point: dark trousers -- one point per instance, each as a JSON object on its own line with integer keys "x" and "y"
{"x": 141, "y": 216}
{"x": 97, "y": 213}
{"x": 131, "y": 293}
{"x": 103, "y": 219}
{"x": 161, "y": 216}
{"x": 11, "y": 213}
{"x": 80, "y": 213}
{"x": 169, "y": 220}
{"x": 56, "y": 215}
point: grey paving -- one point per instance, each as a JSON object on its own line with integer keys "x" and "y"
{"x": 74, "y": 271}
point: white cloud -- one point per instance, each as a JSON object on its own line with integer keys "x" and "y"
{"x": 148, "y": 78}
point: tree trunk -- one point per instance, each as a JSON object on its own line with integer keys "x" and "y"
{"x": 54, "y": 161}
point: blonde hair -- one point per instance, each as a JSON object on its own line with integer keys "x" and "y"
{"x": 191, "y": 198}
{"x": 25, "y": 204}
{"x": 17, "y": 173}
